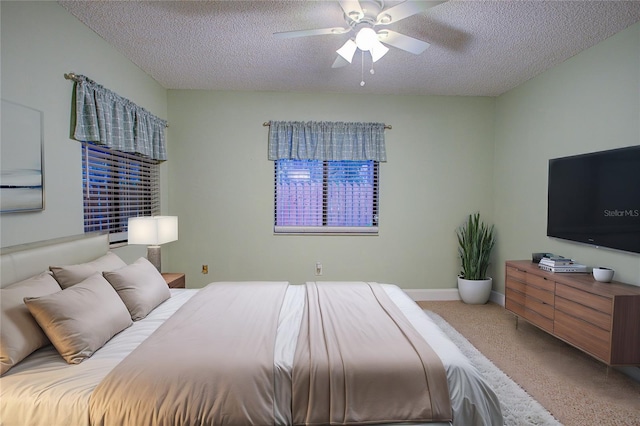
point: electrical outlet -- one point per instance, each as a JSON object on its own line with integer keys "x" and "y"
{"x": 318, "y": 268}
{"x": 205, "y": 269}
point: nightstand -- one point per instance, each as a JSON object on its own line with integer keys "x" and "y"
{"x": 174, "y": 280}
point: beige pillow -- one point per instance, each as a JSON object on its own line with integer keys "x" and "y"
{"x": 80, "y": 319}
{"x": 140, "y": 286}
{"x": 69, "y": 275}
{"x": 20, "y": 334}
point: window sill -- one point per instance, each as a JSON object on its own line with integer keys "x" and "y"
{"x": 326, "y": 230}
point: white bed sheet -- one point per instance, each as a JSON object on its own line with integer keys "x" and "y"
{"x": 45, "y": 390}
{"x": 472, "y": 399}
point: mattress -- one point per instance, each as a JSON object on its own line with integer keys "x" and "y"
{"x": 44, "y": 390}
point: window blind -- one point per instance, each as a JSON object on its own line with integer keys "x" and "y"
{"x": 117, "y": 186}
{"x": 313, "y": 196}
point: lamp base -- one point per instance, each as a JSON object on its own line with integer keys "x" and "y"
{"x": 153, "y": 256}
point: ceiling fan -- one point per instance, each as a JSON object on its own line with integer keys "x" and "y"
{"x": 367, "y": 19}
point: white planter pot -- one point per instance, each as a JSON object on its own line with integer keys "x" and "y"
{"x": 475, "y": 292}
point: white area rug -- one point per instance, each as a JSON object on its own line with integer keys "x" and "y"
{"x": 518, "y": 407}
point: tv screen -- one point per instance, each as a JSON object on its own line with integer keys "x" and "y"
{"x": 595, "y": 199}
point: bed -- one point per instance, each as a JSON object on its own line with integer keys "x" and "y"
{"x": 48, "y": 388}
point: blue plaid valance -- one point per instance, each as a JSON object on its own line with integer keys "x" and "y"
{"x": 326, "y": 141}
{"x": 105, "y": 118}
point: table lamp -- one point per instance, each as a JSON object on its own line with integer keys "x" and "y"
{"x": 153, "y": 231}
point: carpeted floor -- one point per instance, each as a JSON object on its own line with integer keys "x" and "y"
{"x": 518, "y": 407}
{"x": 574, "y": 387}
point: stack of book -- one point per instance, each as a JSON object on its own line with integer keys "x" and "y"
{"x": 561, "y": 264}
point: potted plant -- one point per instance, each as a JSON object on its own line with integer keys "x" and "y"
{"x": 475, "y": 243}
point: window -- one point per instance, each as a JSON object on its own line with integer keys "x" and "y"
{"x": 313, "y": 196}
{"x": 117, "y": 186}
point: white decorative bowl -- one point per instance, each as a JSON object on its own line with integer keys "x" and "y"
{"x": 603, "y": 274}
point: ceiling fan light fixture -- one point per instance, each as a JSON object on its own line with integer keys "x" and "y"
{"x": 347, "y": 50}
{"x": 366, "y": 38}
{"x": 378, "y": 50}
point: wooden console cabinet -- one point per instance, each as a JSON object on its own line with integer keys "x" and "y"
{"x": 601, "y": 319}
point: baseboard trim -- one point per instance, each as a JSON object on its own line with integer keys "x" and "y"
{"x": 424, "y": 294}
{"x": 497, "y": 298}
{"x": 419, "y": 294}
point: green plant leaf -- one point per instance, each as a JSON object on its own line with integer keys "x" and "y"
{"x": 475, "y": 243}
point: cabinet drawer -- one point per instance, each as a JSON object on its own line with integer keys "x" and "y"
{"x": 516, "y": 285}
{"x": 538, "y": 307}
{"x": 541, "y": 282}
{"x": 514, "y": 306}
{"x": 539, "y": 320}
{"x": 597, "y": 318}
{"x": 516, "y": 273}
{"x": 541, "y": 295}
{"x": 516, "y": 296}
{"x": 585, "y": 336}
{"x": 598, "y": 303}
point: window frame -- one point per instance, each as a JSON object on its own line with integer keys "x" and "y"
{"x": 325, "y": 229}
{"x": 117, "y": 185}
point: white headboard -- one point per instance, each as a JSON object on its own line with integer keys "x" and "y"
{"x": 20, "y": 262}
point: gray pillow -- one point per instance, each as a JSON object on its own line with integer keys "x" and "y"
{"x": 140, "y": 286}
{"x": 20, "y": 334}
{"x": 69, "y": 275}
{"x": 80, "y": 319}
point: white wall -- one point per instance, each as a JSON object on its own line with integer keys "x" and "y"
{"x": 439, "y": 169}
{"x": 589, "y": 103}
{"x": 40, "y": 42}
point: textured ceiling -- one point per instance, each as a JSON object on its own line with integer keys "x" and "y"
{"x": 478, "y": 48}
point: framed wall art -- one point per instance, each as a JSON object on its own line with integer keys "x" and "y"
{"x": 21, "y": 159}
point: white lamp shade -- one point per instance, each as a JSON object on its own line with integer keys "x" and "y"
{"x": 167, "y": 228}
{"x": 378, "y": 50}
{"x": 347, "y": 50}
{"x": 153, "y": 230}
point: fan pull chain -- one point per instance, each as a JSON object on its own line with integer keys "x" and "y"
{"x": 361, "y": 68}
{"x": 371, "y": 71}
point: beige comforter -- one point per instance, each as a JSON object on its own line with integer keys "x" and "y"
{"x": 211, "y": 363}
{"x": 359, "y": 361}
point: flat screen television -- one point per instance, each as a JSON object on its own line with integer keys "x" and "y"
{"x": 595, "y": 199}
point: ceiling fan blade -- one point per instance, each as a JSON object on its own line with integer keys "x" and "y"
{"x": 305, "y": 33}
{"x": 339, "y": 62}
{"x": 404, "y": 10}
{"x": 352, "y": 9}
{"x": 401, "y": 41}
